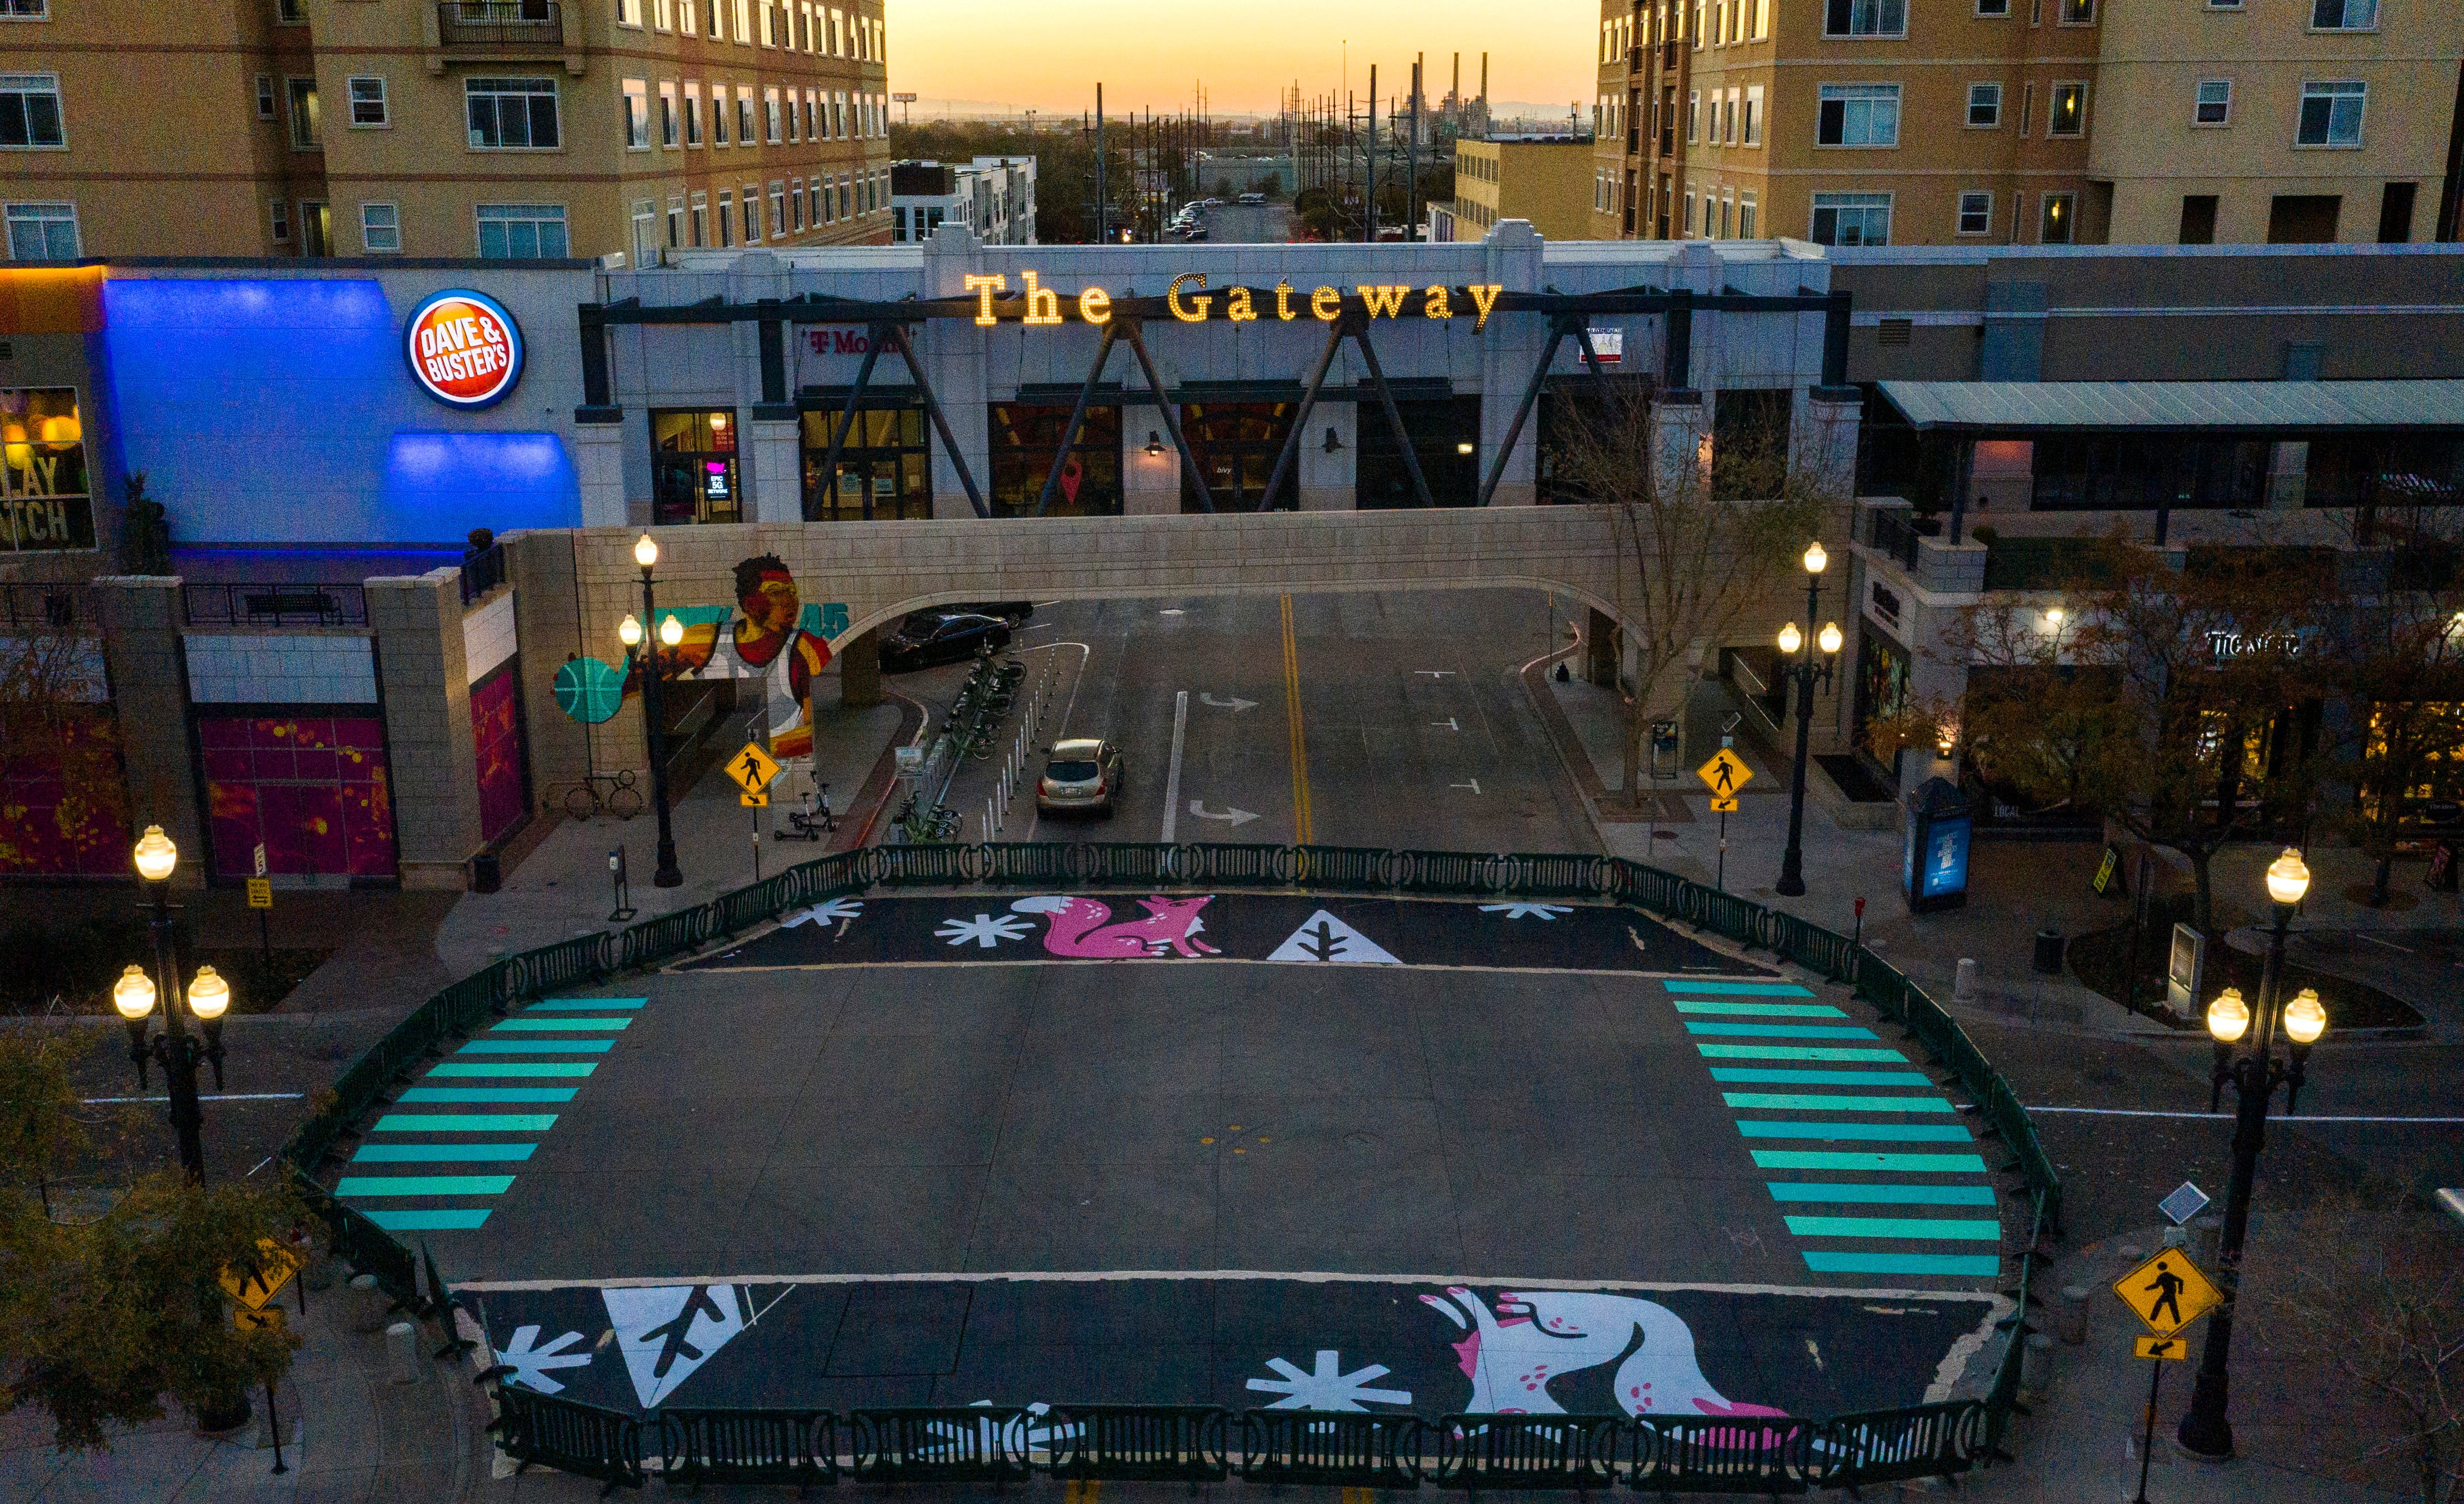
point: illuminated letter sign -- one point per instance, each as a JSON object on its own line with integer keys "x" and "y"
{"x": 464, "y": 349}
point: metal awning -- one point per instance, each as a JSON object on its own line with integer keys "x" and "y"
{"x": 2221, "y": 408}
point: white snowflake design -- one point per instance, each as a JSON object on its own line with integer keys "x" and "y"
{"x": 1326, "y": 1388}
{"x": 1527, "y": 910}
{"x": 825, "y": 914}
{"x": 530, "y": 1361}
{"x": 984, "y": 930}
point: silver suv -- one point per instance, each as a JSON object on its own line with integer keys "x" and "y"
{"x": 1080, "y": 774}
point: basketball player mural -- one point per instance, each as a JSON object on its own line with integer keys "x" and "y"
{"x": 770, "y": 634}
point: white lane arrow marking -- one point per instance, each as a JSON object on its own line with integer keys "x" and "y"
{"x": 1448, "y": 722}
{"x": 1237, "y": 815}
{"x": 1473, "y": 785}
{"x": 1236, "y": 704}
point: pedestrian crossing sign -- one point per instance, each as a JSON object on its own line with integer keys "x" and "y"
{"x": 2172, "y": 1349}
{"x": 253, "y": 1288}
{"x": 1725, "y": 773}
{"x": 753, "y": 768}
{"x": 754, "y": 801}
{"x": 1724, "y": 804}
{"x": 2167, "y": 1292}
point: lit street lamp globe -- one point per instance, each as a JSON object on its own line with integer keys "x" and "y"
{"x": 2305, "y": 1018}
{"x": 645, "y": 551}
{"x": 133, "y": 995}
{"x": 1790, "y": 639}
{"x": 2229, "y": 1016}
{"x": 209, "y": 996}
{"x": 1830, "y": 637}
{"x": 1816, "y": 559}
{"x": 156, "y": 854}
{"x": 2288, "y": 878}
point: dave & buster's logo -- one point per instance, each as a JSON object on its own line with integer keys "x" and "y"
{"x": 463, "y": 348}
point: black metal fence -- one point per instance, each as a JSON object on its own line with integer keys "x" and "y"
{"x": 1746, "y": 1454}
{"x": 275, "y": 605}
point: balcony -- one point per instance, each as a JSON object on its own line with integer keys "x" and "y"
{"x": 502, "y": 24}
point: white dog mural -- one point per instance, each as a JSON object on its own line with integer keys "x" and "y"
{"x": 1514, "y": 1353}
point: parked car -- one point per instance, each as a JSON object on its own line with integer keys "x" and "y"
{"x": 1013, "y": 612}
{"x": 1080, "y": 775}
{"x": 1252, "y": 200}
{"x": 941, "y": 638}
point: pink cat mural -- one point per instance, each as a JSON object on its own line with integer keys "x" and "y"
{"x": 1080, "y": 932}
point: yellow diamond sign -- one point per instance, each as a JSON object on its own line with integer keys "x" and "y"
{"x": 2167, "y": 1292}
{"x": 753, "y": 768}
{"x": 254, "y": 1288}
{"x": 1725, "y": 773}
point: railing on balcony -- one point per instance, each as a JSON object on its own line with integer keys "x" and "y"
{"x": 275, "y": 605}
{"x": 500, "y": 23}
{"x": 482, "y": 572}
{"x": 2045, "y": 563}
{"x": 1895, "y": 533}
{"x": 62, "y": 607}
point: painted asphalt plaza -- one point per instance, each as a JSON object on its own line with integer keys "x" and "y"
{"x": 1275, "y": 1150}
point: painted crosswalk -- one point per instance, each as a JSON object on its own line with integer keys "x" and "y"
{"x": 466, "y": 1111}
{"x": 1833, "y": 1086}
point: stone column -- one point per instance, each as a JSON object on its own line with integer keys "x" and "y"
{"x": 1150, "y": 483}
{"x": 599, "y": 459}
{"x": 2288, "y": 476}
{"x": 1509, "y": 348}
{"x": 547, "y": 611}
{"x": 1600, "y": 648}
{"x": 860, "y": 672}
{"x": 1822, "y": 441}
{"x": 1680, "y": 423}
{"x": 150, "y": 692}
{"x": 776, "y": 493}
{"x": 434, "y": 762}
{"x": 951, "y": 353}
{"x": 1329, "y": 482}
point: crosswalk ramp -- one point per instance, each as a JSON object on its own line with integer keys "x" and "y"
{"x": 1884, "y": 1177}
{"x": 452, "y": 1142}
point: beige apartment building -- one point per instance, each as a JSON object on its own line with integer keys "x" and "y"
{"x": 1541, "y": 179}
{"x": 2028, "y": 121}
{"x": 498, "y": 129}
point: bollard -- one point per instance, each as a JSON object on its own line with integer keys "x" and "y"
{"x": 1963, "y": 986}
{"x": 368, "y": 1304}
{"x": 2037, "y": 1363}
{"x": 2048, "y": 958}
{"x": 2070, "y": 1315}
{"x": 402, "y": 1352}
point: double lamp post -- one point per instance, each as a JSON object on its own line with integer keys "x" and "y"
{"x": 629, "y": 632}
{"x": 1808, "y": 673}
{"x": 207, "y": 998}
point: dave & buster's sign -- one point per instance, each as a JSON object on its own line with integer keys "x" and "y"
{"x": 464, "y": 349}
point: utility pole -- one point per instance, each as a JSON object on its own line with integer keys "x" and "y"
{"x": 1103, "y": 203}
{"x": 1412, "y": 157}
{"x": 1369, "y": 202}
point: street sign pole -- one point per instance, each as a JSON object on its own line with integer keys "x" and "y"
{"x": 264, "y": 913}
{"x": 1721, "y": 881}
{"x": 2148, "y": 1436}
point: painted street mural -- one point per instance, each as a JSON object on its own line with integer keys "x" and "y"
{"x": 1265, "y": 1343}
{"x": 1301, "y": 929}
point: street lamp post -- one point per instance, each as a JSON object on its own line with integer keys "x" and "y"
{"x": 671, "y": 632}
{"x": 2205, "y": 1431}
{"x": 208, "y": 997}
{"x": 1792, "y": 863}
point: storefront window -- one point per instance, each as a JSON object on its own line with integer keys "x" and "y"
{"x": 1882, "y": 681}
{"x": 884, "y": 466}
{"x": 1237, "y": 445}
{"x": 1025, "y": 439}
{"x": 2112, "y": 473}
{"x": 46, "y": 504}
{"x": 2385, "y": 470}
{"x": 1445, "y": 437}
{"x": 693, "y": 473}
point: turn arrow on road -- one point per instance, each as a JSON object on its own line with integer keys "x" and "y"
{"x": 1237, "y": 816}
{"x": 1236, "y": 704}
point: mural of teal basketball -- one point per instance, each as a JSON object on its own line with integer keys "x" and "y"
{"x": 589, "y": 690}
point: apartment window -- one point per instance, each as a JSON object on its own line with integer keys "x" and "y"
{"x": 1689, "y": 212}
{"x": 816, "y": 210}
{"x": 745, "y": 126}
{"x": 719, "y": 124}
{"x": 1976, "y": 214}
{"x": 1729, "y": 117}
{"x": 1992, "y": 7}
{"x": 368, "y": 103}
{"x": 1858, "y": 115}
{"x": 686, "y": 19}
{"x": 523, "y": 231}
{"x": 265, "y": 97}
{"x": 792, "y": 135}
{"x": 1851, "y": 219}
{"x": 42, "y": 232}
{"x": 668, "y": 131}
{"x": 1865, "y": 18}
{"x": 2198, "y": 220}
{"x": 770, "y": 109}
{"x": 1984, "y": 105}
{"x": 663, "y": 14}
{"x": 700, "y": 220}
{"x": 1753, "y": 121}
{"x": 838, "y": 34}
{"x": 2068, "y": 116}
{"x": 743, "y": 22}
{"x": 2214, "y": 105}
{"x": 29, "y": 110}
{"x": 752, "y": 214}
{"x": 315, "y": 228}
{"x": 808, "y": 116}
{"x": 629, "y": 13}
{"x": 380, "y": 229}
{"x": 2054, "y": 226}
{"x": 726, "y": 219}
{"x": 693, "y": 118}
{"x": 512, "y": 113}
{"x": 1746, "y": 216}
{"x": 307, "y": 120}
{"x": 1693, "y": 116}
{"x": 25, "y": 9}
{"x": 795, "y": 206}
{"x": 2344, "y": 15}
{"x": 2395, "y": 212}
{"x": 280, "y": 214}
{"x": 289, "y": 12}
{"x": 778, "y": 209}
{"x": 769, "y": 25}
{"x": 2078, "y": 12}
{"x": 2331, "y": 113}
{"x": 675, "y": 223}
{"x": 637, "y": 114}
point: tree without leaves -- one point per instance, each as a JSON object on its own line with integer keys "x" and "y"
{"x": 55, "y": 729}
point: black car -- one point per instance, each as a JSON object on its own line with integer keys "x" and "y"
{"x": 940, "y": 639}
{"x": 920, "y": 624}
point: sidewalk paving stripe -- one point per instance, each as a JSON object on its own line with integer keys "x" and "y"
{"x": 514, "y": 1068}
{"x": 1818, "y": 1101}
{"x": 1784, "y": 1031}
{"x": 575, "y": 1024}
{"x": 433, "y": 1221}
{"x": 1830, "y": 1263}
{"x": 1765, "y": 1010}
{"x": 1676, "y": 984}
{"x": 1780, "y": 1076}
{"x": 537, "y": 1047}
{"x": 1766, "y": 1052}
{"x": 1966, "y": 1230}
{"x": 414, "y": 1153}
{"x": 1908, "y": 1196}
{"x": 489, "y": 1094}
{"x": 582, "y": 1005}
{"x": 464, "y": 1123}
{"x": 423, "y": 1185}
{"x": 1878, "y": 1132}
{"x": 1841, "y": 1158}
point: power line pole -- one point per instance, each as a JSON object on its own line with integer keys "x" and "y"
{"x": 1102, "y": 201}
{"x": 1369, "y": 204}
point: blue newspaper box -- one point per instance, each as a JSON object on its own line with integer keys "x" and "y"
{"x": 1933, "y": 867}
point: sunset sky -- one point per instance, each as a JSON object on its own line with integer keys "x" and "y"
{"x": 1049, "y": 54}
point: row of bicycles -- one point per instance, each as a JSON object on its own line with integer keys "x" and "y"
{"x": 970, "y": 729}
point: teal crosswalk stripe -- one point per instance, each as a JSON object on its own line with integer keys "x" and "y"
{"x": 431, "y": 1221}
{"x": 1841, "y": 1263}
{"x": 422, "y": 1185}
{"x": 537, "y": 1047}
{"x": 573, "y": 1022}
{"x": 1965, "y": 1229}
{"x": 1679, "y": 984}
{"x": 489, "y": 1094}
{"x": 1765, "y": 1010}
{"x": 464, "y": 1123}
{"x": 1780, "y": 1076}
{"x": 1818, "y": 1101}
{"x": 1917, "y": 1194}
{"x": 414, "y": 1153}
{"x": 1853, "y": 1160}
{"x": 1871, "y": 1132}
{"x": 1782, "y": 1052}
{"x": 583, "y": 1005}
{"x": 514, "y": 1068}
{"x": 1784, "y": 1031}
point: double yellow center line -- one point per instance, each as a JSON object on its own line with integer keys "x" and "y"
{"x": 1303, "y": 831}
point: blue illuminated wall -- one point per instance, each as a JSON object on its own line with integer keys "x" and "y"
{"x": 279, "y": 411}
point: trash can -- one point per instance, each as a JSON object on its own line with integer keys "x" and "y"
{"x": 2049, "y": 952}
{"x": 487, "y": 872}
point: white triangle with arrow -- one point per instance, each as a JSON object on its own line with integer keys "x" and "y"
{"x": 1327, "y": 938}
{"x": 666, "y": 1332}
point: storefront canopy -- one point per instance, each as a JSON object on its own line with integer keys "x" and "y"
{"x": 2018, "y": 409}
